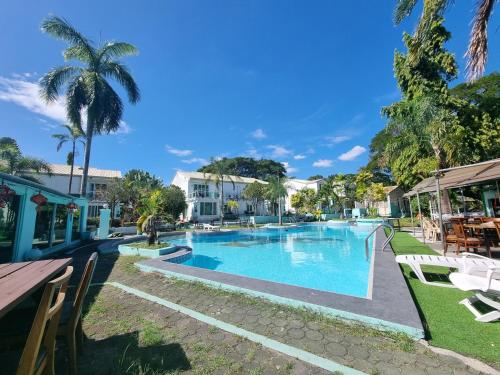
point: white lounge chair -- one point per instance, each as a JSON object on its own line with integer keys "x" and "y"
{"x": 211, "y": 228}
{"x": 468, "y": 263}
{"x": 488, "y": 290}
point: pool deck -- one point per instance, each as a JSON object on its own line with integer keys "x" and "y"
{"x": 390, "y": 306}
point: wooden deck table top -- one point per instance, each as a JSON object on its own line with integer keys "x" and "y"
{"x": 19, "y": 280}
{"x": 487, "y": 225}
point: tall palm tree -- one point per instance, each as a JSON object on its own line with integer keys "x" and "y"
{"x": 74, "y": 134}
{"x": 477, "y": 52}
{"x": 86, "y": 83}
{"x": 12, "y": 161}
{"x": 218, "y": 175}
{"x": 276, "y": 191}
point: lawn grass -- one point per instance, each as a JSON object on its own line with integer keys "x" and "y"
{"x": 448, "y": 324}
{"x": 145, "y": 245}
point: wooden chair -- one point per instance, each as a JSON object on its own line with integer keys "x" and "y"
{"x": 463, "y": 239}
{"x": 38, "y": 354}
{"x": 450, "y": 238}
{"x": 71, "y": 325}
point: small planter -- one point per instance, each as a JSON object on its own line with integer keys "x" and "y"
{"x": 134, "y": 249}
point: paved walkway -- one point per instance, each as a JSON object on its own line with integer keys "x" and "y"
{"x": 351, "y": 345}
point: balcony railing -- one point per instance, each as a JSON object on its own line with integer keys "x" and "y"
{"x": 203, "y": 194}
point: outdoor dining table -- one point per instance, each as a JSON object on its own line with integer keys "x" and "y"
{"x": 18, "y": 281}
{"x": 486, "y": 229}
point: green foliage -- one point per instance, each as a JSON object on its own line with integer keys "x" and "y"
{"x": 255, "y": 192}
{"x": 246, "y": 167}
{"x": 304, "y": 201}
{"x": 232, "y": 205}
{"x": 12, "y": 160}
{"x": 315, "y": 177}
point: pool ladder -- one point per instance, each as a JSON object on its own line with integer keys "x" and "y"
{"x": 391, "y": 236}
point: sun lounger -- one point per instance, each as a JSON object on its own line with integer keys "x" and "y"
{"x": 488, "y": 289}
{"x": 211, "y": 228}
{"x": 468, "y": 263}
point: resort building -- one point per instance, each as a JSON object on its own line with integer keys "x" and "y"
{"x": 294, "y": 185}
{"x": 98, "y": 181}
{"x": 203, "y": 195}
{"x": 394, "y": 205}
{"x": 36, "y": 220}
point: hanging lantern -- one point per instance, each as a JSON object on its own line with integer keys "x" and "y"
{"x": 39, "y": 199}
{"x": 71, "y": 207}
{"x": 3, "y": 203}
{"x": 6, "y": 192}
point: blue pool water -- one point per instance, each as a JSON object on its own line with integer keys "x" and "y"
{"x": 313, "y": 256}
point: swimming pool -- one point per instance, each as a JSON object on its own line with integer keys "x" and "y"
{"x": 319, "y": 257}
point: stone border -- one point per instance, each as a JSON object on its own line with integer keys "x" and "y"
{"x": 126, "y": 249}
{"x": 390, "y": 308}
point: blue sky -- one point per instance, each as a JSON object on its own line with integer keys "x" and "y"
{"x": 297, "y": 81}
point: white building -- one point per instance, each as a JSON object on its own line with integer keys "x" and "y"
{"x": 203, "y": 196}
{"x": 98, "y": 181}
{"x": 295, "y": 185}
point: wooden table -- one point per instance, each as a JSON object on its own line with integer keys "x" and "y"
{"x": 484, "y": 227}
{"x": 19, "y": 280}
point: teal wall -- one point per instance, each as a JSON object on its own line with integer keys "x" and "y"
{"x": 27, "y": 215}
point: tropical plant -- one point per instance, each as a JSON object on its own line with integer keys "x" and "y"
{"x": 247, "y": 167}
{"x": 219, "y": 173}
{"x": 304, "y": 201}
{"x": 74, "y": 134}
{"x": 12, "y": 161}
{"x": 433, "y": 10}
{"x": 275, "y": 192}
{"x": 86, "y": 83}
{"x": 374, "y": 193}
{"x": 232, "y": 205}
{"x": 255, "y": 192}
{"x": 114, "y": 194}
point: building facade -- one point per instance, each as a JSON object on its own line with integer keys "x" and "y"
{"x": 98, "y": 181}
{"x": 203, "y": 195}
{"x": 36, "y": 220}
{"x": 294, "y": 185}
{"x": 394, "y": 205}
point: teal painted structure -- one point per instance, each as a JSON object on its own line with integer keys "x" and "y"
{"x": 23, "y": 247}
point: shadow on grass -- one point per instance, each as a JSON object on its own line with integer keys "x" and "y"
{"x": 122, "y": 354}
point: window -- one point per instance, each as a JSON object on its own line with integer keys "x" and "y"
{"x": 8, "y": 224}
{"x": 43, "y": 224}
{"x": 61, "y": 220}
{"x": 200, "y": 190}
{"x": 75, "y": 230}
{"x": 208, "y": 208}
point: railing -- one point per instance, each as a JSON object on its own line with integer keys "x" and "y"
{"x": 199, "y": 194}
{"x": 391, "y": 236}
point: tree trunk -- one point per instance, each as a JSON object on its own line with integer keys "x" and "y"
{"x": 88, "y": 145}
{"x": 445, "y": 197}
{"x": 222, "y": 202}
{"x": 72, "y": 167}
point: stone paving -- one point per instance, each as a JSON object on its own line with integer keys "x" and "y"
{"x": 351, "y": 345}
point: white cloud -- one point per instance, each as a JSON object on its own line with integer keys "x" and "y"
{"x": 278, "y": 151}
{"x": 323, "y": 163}
{"x": 299, "y": 157}
{"x": 26, "y": 93}
{"x": 258, "y": 134}
{"x": 289, "y": 168}
{"x": 338, "y": 139}
{"x": 178, "y": 152}
{"x": 200, "y": 161}
{"x": 352, "y": 154}
{"x": 253, "y": 153}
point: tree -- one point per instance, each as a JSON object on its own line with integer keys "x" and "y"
{"x": 219, "y": 172}
{"x": 374, "y": 193}
{"x": 174, "y": 201}
{"x": 114, "y": 194}
{"x": 304, "y": 201}
{"x": 247, "y": 167}
{"x": 328, "y": 195}
{"x": 73, "y": 135}
{"x": 433, "y": 10}
{"x": 232, "y": 205}
{"x": 12, "y": 161}
{"x": 315, "y": 177}
{"x": 255, "y": 192}
{"x": 275, "y": 191}
{"x": 87, "y": 86}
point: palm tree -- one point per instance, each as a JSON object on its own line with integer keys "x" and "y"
{"x": 74, "y": 134}
{"x": 218, "y": 174}
{"x": 276, "y": 190}
{"x": 12, "y": 161}
{"x": 87, "y": 86}
{"x": 477, "y": 52}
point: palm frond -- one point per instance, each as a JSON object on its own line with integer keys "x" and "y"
{"x": 113, "y": 50}
{"x": 78, "y": 52}
{"x": 53, "y": 80}
{"x": 61, "y": 29}
{"x": 105, "y": 107}
{"x": 477, "y": 52}
{"x": 27, "y": 163}
{"x": 121, "y": 74}
{"x": 76, "y": 100}
{"x": 62, "y": 138}
{"x": 403, "y": 9}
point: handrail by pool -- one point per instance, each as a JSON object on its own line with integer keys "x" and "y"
{"x": 391, "y": 236}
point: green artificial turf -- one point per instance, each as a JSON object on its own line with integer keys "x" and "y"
{"x": 448, "y": 324}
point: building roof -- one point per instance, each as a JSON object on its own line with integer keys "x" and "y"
{"x": 210, "y": 176}
{"x": 63, "y": 169}
{"x": 460, "y": 176}
{"x": 35, "y": 185}
{"x": 305, "y": 182}
{"x": 390, "y": 189}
